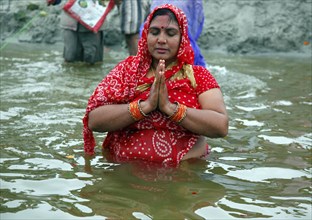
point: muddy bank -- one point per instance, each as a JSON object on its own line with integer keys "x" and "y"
{"x": 244, "y": 26}
{"x": 234, "y": 26}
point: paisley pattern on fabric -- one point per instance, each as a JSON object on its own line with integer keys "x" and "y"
{"x": 154, "y": 138}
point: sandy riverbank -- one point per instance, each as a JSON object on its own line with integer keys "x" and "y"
{"x": 240, "y": 27}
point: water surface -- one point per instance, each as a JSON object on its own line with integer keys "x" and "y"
{"x": 261, "y": 170}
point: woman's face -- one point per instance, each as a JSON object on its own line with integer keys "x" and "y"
{"x": 163, "y": 38}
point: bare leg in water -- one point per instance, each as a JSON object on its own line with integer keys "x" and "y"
{"x": 198, "y": 150}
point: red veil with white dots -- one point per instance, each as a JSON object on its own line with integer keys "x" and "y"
{"x": 154, "y": 138}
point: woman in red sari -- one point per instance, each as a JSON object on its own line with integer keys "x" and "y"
{"x": 157, "y": 106}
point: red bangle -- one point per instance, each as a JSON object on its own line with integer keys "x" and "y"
{"x": 175, "y": 110}
{"x": 134, "y": 110}
{"x": 179, "y": 114}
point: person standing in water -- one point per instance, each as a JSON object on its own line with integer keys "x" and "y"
{"x": 133, "y": 14}
{"x": 80, "y": 43}
{"x": 157, "y": 106}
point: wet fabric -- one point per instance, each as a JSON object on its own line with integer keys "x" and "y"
{"x": 154, "y": 138}
{"x": 83, "y": 46}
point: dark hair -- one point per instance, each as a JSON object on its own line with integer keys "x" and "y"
{"x": 165, "y": 11}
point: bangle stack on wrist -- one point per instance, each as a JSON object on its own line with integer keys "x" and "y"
{"x": 140, "y": 109}
{"x": 179, "y": 113}
{"x": 135, "y": 110}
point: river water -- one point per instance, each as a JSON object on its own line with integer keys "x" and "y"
{"x": 261, "y": 170}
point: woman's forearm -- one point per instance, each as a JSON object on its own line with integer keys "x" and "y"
{"x": 110, "y": 118}
{"x": 206, "y": 122}
{"x": 210, "y": 121}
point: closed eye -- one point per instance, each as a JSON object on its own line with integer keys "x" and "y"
{"x": 154, "y": 31}
{"x": 172, "y": 31}
{"x": 169, "y": 31}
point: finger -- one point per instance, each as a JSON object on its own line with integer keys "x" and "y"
{"x": 163, "y": 93}
{"x": 157, "y": 80}
{"x": 153, "y": 95}
{"x": 162, "y": 66}
{"x": 162, "y": 79}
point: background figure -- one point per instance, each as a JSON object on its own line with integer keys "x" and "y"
{"x": 193, "y": 10}
{"x": 133, "y": 14}
{"x": 80, "y": 43}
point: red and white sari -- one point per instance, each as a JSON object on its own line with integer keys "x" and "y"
{"x": 154, "y": 138}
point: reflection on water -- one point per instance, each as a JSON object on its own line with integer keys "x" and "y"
{"x": 262, "y": 169}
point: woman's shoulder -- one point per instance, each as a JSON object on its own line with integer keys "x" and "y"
{"x": 200, "y": 70}
{"x": 204, "y": 79}
{"x": 198, "y": 67}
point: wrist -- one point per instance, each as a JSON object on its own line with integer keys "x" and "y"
{"x": 179, "y": 113}
{"x": 171, "y": 109}
{"x": 141, "y": 108}
{"x": 144, "y": 107}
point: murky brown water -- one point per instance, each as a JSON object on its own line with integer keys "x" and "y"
{"x": 261, "y": 170}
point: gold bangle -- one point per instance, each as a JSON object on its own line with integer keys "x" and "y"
{"x": 140, "y": 109}
{"x": 175, "y": 110}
